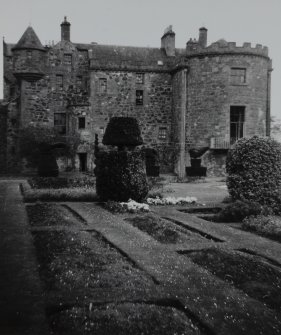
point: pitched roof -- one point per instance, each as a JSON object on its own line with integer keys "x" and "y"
{"x": 29, "y": 40}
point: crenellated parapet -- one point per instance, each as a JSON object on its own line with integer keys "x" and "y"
{"x": 193, "y": 49}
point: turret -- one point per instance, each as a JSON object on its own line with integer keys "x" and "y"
{"x": 168, "y": 41}
{"x": 65, "y": 30}
{"x": 29, "y": 55}
{"x": 202, "y": 41}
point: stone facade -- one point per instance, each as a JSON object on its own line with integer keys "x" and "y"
{"x": 186, "y": 98}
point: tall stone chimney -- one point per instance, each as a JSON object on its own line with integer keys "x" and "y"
{"x": 202, "y": 41}
{"x": 168, "y": 41}
{"x": 65, "y": 30}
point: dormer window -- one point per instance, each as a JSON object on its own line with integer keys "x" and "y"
{"x": 67, "y": 59}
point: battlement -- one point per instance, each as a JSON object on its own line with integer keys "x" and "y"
{"x": 224, "y": 47}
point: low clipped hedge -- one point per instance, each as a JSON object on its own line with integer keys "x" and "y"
{"x": 62, "y": 182}
{"x": 120, "y": 176}
{"x": 239, "y": 210}
{"x": 253, "y": 167}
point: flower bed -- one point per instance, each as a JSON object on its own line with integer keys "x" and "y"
{"x": 171, "y": 201}
{"x": 126, "y": 207}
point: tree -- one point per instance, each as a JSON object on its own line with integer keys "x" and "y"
{"x": 41, "y": 145}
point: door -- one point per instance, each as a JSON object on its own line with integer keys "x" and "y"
{"x": 82, "y": 162}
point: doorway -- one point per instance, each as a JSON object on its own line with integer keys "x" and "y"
{"x": 82, "y": 162}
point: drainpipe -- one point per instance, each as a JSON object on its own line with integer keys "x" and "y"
{"x": 268, "y": 94}
{"x": 182, "y": 126}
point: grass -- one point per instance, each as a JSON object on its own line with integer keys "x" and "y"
{"x": 90, "y": 287}
{"x": 269, "y": 226}
{"x": 260, "y": 281}
{"x": 163, "y": 230}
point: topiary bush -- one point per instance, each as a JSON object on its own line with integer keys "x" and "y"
{"x": 121, "y": 176}
{"x": 122, "y": 132}
{"x": 253, "y": 167}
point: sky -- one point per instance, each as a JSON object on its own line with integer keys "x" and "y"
{"x": 142, "y": 23}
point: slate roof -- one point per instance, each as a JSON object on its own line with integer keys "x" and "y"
{"x": 29, "y": 40}
{"x": 131, "y": 56}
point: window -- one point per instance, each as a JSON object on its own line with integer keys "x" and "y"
{"x": 78, "y": 81}
{"x": 139, "y": 97}
{"x": 102, "y": 130}
{"x": 59, "y": 82}
{"x": 102, "y": 85}
{"x": 140, "y": 78}
{"x": 60, "y": 123}
{"x": 237, "y": 119}
{"x": 162, "y": 133}
{"x": 67, "y": 59}
{"x": 81, "y": 123}
{"x": 29, "y": 54}
{"x": 238, "y": 76}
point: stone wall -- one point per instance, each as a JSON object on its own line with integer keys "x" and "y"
{"x": 120, "y": 100}
{"x": 3, "y": 139}
{"x": 211, "y": 93}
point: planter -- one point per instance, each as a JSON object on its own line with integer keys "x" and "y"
{"x": 195, "y": 162}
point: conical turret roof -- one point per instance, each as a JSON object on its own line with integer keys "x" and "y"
{"x": 29, "y": 40}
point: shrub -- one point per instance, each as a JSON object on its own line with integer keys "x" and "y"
{"x": 57, "y": 183}
{"x": 41, "y": 145}
{"x": 268, "y": 225}
{"x": 238, "y": 210}
{"x": 62, "y": 194}
{"x": 121, "y": 176}
{"x": 254, "y": 174}
{"x": 122, "y": 131}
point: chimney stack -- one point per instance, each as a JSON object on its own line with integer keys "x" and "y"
{"x": 202, "y": 41}
{"x": 168, "y": 41}
{"x": 65, "y": 30}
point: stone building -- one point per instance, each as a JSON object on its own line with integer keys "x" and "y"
{"x": 198, "y": 96}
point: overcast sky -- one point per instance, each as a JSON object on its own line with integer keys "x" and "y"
{"x": 142, "y": 22}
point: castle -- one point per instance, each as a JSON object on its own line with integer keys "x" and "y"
{"x": 198, "y": 96}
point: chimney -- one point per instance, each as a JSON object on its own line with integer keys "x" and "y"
{"x": 168, "y": 41}
{"x": 65, "y": 30}
{"x": 202, "y": 41}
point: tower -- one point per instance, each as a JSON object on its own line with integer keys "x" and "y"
{"x": 28, "y": 55}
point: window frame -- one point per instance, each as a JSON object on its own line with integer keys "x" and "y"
{"x": 140, "y": 78}
{"x": 67, "y": 59}
{"x": 59, "y": 83}
{"x": 236, "y": 78}
{"x": 237, "y": 126}
{"x": 79, "y": 123}
{"x": 102, "y": 86}
{"x": 139, "y": 98}
{"x": 58, "y": 125}
{"x": 162, "y": 133}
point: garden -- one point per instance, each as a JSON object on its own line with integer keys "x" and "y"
{"x": 87, "y": 231}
